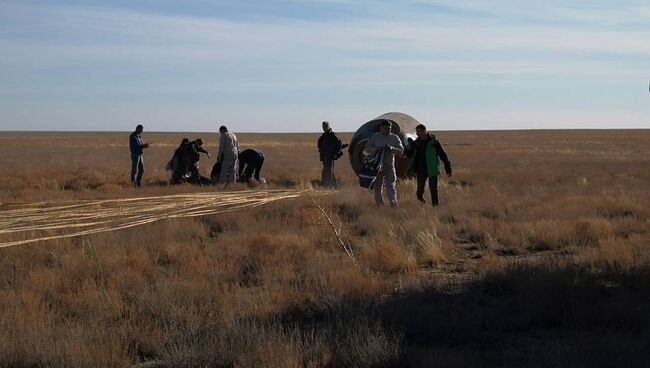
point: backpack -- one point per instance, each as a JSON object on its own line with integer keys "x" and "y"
{"x": 371, "y": 168}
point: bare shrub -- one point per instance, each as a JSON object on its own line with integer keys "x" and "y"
{"x": 590, "y": 231}
{"x": 387, "y": 256}
{"x": 428, "y": 248}
{"x": 626, "y": 227}
{"x": 549, "y": 235}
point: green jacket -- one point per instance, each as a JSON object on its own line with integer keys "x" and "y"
{"x": 434, "y": 152}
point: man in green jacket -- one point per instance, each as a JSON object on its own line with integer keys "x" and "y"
{"x": 425, "y": 153}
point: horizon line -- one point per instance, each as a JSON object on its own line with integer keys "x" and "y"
{"x": 314, "y": 132}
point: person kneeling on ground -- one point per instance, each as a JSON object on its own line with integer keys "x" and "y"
{"x": 188, "y": 163}
{"x": 426, "y": 151}
{"x": 250, "y": 165}
{"x": 173, "y": 163}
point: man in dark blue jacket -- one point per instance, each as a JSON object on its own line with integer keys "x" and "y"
{"x": 137, "y": 146}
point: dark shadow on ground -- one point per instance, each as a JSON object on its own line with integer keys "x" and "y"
{"x": 522, "y": 316}
{"x": 528, "y": 317}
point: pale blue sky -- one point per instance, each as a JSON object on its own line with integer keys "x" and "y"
{"x": 278, "y": 66}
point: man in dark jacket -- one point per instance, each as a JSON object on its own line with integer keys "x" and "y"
{"x": 329, "y": 147}
{"x": 426, "y": 151}
{"x": 188, "y": 161}
{"x": 250, "y": 165}
{"x": 137, "y": 146}
{"x": 173, "y": 163}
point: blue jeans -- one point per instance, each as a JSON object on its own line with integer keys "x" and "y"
{"x": 433, "y": 188}
{"x": 137, "y": 169}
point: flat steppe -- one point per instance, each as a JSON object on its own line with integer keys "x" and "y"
{"x": 538, "y": 256}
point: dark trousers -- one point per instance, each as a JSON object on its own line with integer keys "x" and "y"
{"x": 249, "y": 170}
{"x": 195, "y": 174}
{"x": 181, "y": 168}
{"x": 137, "y": 169}
{"x": 433, "y": 187}
{"x": 327, "y": 177}
{"x": 192, "y": 168}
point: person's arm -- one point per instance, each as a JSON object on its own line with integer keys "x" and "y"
{"x": 139, "y": 143}
{"x": 398, "y": 148}
{"x": 443, "y": 157}
{"x": 222, "y": 143}
{"x": 200, "y": 149}
{"x": 320, "y": 143}
{"x": 133, "y": 144}
{"x": 240, "y": 168}
{"x": 338, "y": 152}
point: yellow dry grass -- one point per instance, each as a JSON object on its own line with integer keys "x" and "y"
{"x": 541, "y": 237}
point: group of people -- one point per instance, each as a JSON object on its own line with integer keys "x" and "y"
{"x": 423, "y": 153}
{"x": 184, "y": 164}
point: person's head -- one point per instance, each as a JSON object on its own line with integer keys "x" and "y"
{"x": 223, "y": 129}
{"x": 385, "y": 127}
{"x": 185, "y": 141}
{"x": 198, "y": 142}
{"x": 421, "y": 131}
{"x": 139, "y": 129}
{"x": 326, "y": 126}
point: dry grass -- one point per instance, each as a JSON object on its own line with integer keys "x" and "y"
{"x": 539, "y": 256}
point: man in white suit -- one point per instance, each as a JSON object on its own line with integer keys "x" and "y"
{"x": 228, "y": 152}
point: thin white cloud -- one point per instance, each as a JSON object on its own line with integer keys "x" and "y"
{"x": 95, "y": 35}
{"x": 615, "y": 15}
{"x": 121, "y": 48}
{"x": 603, "y": 13}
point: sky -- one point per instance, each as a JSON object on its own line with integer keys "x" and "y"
{"x": 287, "y": 65}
